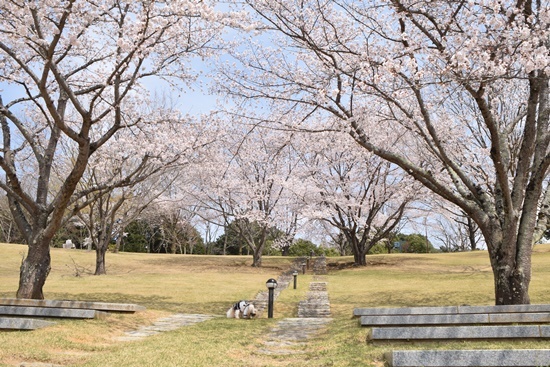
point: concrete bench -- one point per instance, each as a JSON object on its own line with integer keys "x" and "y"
{"x": 458, "y": 358}
{"x": 14, "y": 323}
{"x": 50, "y": 312}
{"x": 447, "y": 333}
{"x": 445, "y": 310}
{"x": 455, "y": 319}
{"x": 98, "y": 306}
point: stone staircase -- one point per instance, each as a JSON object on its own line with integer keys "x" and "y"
{"x": 317, "y": 303}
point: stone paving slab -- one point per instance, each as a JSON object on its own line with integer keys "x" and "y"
{"x": 545, "y": 331}
{"x": 291, "y": 334}
{"x": 460, "y": 358}
{"x": 19, "y": 323}
{"x": 454, "y": 332}
{"x": 504, "y": 308}
{"x": 48, "y": 312}
{"x": 374, "y": 311}
{"x": 164, "y": 324}
{"x": 455, "y": 319}
{"x": 377, "y": 311}
{"x": 99, "y": 306}
{"x": 504, "y": 318}
{"x": 424, "y": 320}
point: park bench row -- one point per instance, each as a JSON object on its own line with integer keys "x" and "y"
{"x": 415, "y": 324}
{"x": 28, "y": 314}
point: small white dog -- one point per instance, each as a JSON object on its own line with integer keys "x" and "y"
{"x": 241, "y": 310}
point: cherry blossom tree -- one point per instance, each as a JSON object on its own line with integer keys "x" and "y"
{"x": 247, "y": 182}
{"x": 453, "y": 92}
{"x": 358, "y": 193}
{"x": 126, "y": 177}
{"x": 107, "y": 213}
{"x": 73, "y": 72}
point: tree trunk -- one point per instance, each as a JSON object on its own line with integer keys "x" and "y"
{"x": 257, "y": 257}
{"x": 285, "y": 250}
{"x": 472, "y": 234}
{"x": 34, "y": 270}
{"x": 512, "y": 275}
{"x": 100, "y": 251}
{"x": 118, "y": 242}
{"x": 360, "y": 258}
{"x": 511, "y": 263}
{"x": 358, "y": 250}
{"x": 511, "y": 286}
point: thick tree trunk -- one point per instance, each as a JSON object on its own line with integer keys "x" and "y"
{"x": 358, "y": 250}
{"x": 34, "y": 270}
{"x": 285, "y": 250}
{"x": 257, "y": 257}
{"x": 511, "y": 286}
{"x": 360, "y": 258}
{"x": 511, "y": 263}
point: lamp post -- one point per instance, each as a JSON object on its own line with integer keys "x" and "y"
{"x": 303, "y": 268}
{"x": 295, "y": 274}
{"x": 271, "y": 284}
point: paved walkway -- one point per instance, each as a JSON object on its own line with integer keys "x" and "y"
{"x": 290, "y": 335}
{"x": 169, "y": 323}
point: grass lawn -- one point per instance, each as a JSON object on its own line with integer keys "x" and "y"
{"x": 167, "y": 284}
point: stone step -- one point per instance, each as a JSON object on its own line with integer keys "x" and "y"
{"x": 315, "y": 301}
{"x": 314, "y": 310}
{"x": 459, "y": 358}
{"x": 50, "y": 312}
{"x": 314, "y": 315}
{"x": 313, "y": 306}
{"x": 318, "y": 286}
{"x": 17, "y": 323}
{"x": 99, "y": 306}
{"x": 455, "y": 319}
{"x": 458, "y": 333}
{"x": 541, "y": 308}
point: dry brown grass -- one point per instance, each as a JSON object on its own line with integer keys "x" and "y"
{"x": 167, "y": 284}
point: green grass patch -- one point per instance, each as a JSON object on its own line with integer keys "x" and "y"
{"x": 168, "y": 284}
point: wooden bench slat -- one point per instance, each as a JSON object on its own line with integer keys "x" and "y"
{"x": 480, "y": 358}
